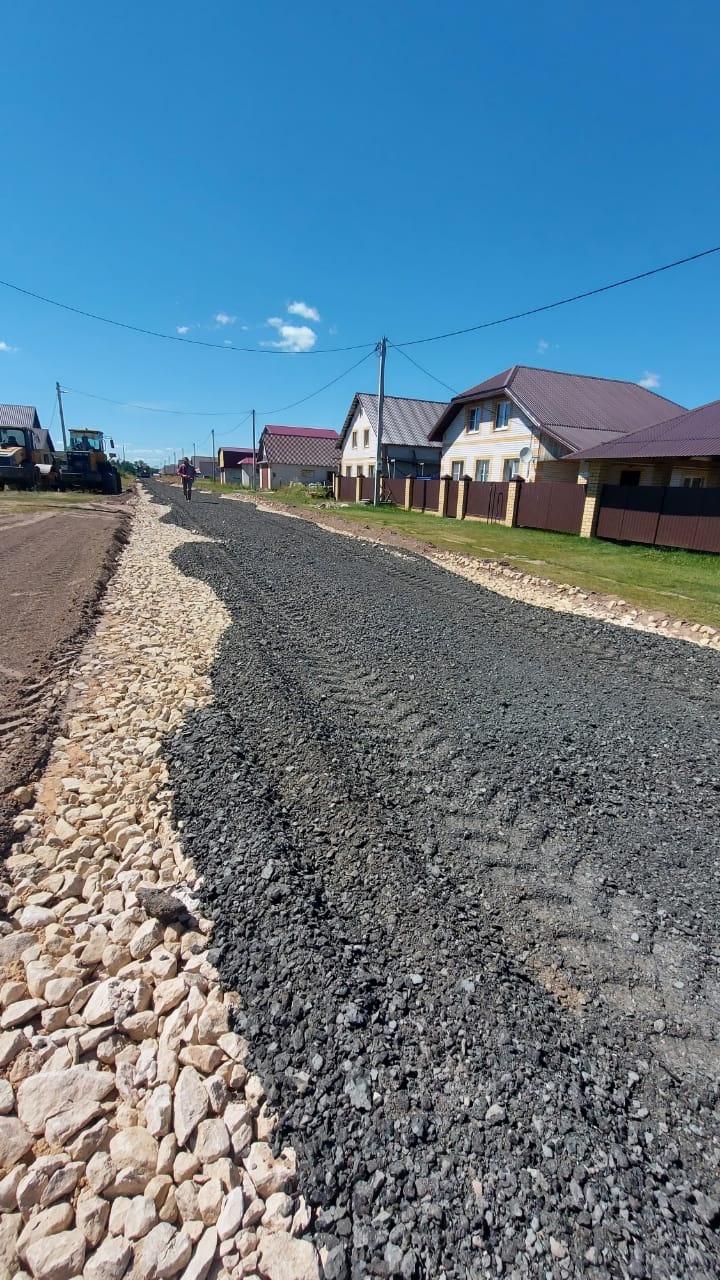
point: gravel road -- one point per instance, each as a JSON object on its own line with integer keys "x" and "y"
{"x": 462, "y": 859}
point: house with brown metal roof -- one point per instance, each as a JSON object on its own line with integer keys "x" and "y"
{"x": 406, "y": 449}
{"x": 296, "y": 455}
{"x": 532, "y": 422}
{"x": 683, "y": 451}
{"x": 235, "y": 466}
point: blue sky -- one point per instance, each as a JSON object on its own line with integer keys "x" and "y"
{"x": 402, "y": 168}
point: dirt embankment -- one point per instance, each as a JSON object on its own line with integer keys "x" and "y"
{"x": 54, "y": 569}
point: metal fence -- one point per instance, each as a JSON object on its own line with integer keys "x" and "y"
{"x": 551, "y": 505}
{"x": 661, "y": 517}
{"x": 485, "y": 500}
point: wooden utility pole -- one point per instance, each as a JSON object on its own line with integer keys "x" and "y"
{"x": 62, "y": 415}
{"x": 382, "y": 349}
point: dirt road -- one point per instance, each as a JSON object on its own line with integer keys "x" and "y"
{"x": 462, "y": 858}
{"x": 53, "y": 570}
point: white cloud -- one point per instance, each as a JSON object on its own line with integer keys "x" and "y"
{"x": 543, "y": 346}
{"x": 649, "y": 380}
{"x": 5, "y": 346}
{"x": 333, "y": 329}
{"x": 182, "y": 328}
{"x": 223, "y": 318}
{"x": 291, "y": 337}
{"x": 304, "y": 311}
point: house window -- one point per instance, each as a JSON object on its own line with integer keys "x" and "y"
{"x": 457, "y": 470}
{"x": 366, "y": 439}
{"x": 348, "y": 471}
{"x": 511, "y": 468}
{"x": 480, "y": 414}
{"x": 502, "y": 415}
{"x": 354, "y": 440}
{"x": 482, "y": 469}
{"x": 360, "y": 471}
{"x": 630, "y": 477}
{"x": 693, "y": 482}
{"x": 371, "y": 470}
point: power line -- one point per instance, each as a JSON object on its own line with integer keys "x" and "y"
{"x": 237, "y": 426}
{"x": 175, "y": 337}
{"x": 562, "y": 302}
{"x": 427, "y": 372}
{"x": 149, "y": 408}
{"x": 268, "y": 413}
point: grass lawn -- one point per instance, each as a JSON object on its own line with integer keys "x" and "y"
{"x": 685, "y": 584}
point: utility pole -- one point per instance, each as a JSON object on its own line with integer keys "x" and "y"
{"x": 254, "y": 470}
{"x": 62, "y": 415}
{"x": 213, "y": 448}
{"x": 382, "y": 350}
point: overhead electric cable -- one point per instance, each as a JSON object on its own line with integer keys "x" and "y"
{"x": 427, "y": 372}
{"x": 268, "y": 413}
{"x": 176, "y": 337}
{"x": 149, "y": 408}
{"x": 562, "y": 302}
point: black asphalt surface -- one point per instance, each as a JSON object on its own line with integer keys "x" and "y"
{"x": 462, "y": 856}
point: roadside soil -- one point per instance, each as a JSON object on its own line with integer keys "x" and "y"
{"x": 54, "y": 568}
{"x": 461, "y": 857}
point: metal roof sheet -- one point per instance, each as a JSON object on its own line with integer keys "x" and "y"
{"x": 405, "y": 421}
{"x": 695, "y": 434}
{"x": 320, "y": 433}
{"x": 299, "y": 447}
{"x": 19, "y": 415}
{"x": 575, "y": 409}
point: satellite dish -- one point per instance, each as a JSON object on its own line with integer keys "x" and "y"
{"x": 525, "y": 454}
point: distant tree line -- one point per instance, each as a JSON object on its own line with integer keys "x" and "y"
{"x": 139, "y": 468}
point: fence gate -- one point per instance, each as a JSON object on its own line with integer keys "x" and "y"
{"x": 551, "y": 505}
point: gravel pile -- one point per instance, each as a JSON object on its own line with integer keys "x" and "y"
{"x": 461, "y": 857}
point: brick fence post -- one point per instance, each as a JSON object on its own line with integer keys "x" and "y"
{"x": 512, "y": 502}
{"x": 407, "y": 495}
{"x": 358, "y": 488}
{"x": 443, "y": 495}
{"x": 463, "y": 491}
{"x": 591, "y": 508}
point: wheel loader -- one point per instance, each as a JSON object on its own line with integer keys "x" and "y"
{"x": 86, "y": 465}
{"x": 27, "y": 458}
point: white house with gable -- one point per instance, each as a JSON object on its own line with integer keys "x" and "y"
{"x": 406, "y": 451}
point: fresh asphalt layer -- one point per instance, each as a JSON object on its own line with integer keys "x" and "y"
{"x": 462, "y": 858}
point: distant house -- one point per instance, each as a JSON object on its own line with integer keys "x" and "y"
{"x": 682, "y": 451}
{"x": 406, "y": 448}
{"x": 235, "y": 466}
{"x": 204, "y": 464}
{"x": 296, "y": 455}
{"x": 528, "y": 422}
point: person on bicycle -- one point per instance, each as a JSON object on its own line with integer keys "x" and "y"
{"x": 187, "y": 474}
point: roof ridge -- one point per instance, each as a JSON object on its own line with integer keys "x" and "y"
{"x": 593, "y": 377}
{"x": 414, "y": 399}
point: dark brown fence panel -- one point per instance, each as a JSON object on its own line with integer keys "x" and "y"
{"x": 630, "y": 513}
{"x": 432, "y": 494}
{"x": 417, "y": 497}
{"x": 487, "y": 501}
{"x": 690, "y": 519}
{"x": 347, "y": 488}
{"x": 367, "y": 493}
{"x": 394, "y": 490}
{"x": 453, "y": 487}
{"x": 552, "y": 505}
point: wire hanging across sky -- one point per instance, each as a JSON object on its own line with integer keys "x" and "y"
{"x": 437, "y": 337}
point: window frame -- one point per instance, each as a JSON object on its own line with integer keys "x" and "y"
{"x": 366, "y": 438}
{"x": 354, "y": 440}
{"x": 507, "y": 462}
{"x": 483, "y": 462}
{"x": 502, "y": 406}
{"x": 458, "y": 462}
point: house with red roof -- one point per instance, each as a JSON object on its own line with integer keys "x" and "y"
{"x": 297, "y": 455}
{"x": 533, "y": 423}
{"x": 680, "y": 452}
{"x": 235, "y": 465}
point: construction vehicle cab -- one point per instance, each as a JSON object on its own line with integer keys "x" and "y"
{"x": 87, "y": 465}
{"x": 27, "y": 457}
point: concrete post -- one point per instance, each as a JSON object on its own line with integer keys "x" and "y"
{"x": 512, "y": 502}
{"x": 593, "y": 489}
{"x": 407, "y": 495}
{"x": 336, "y": 486}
